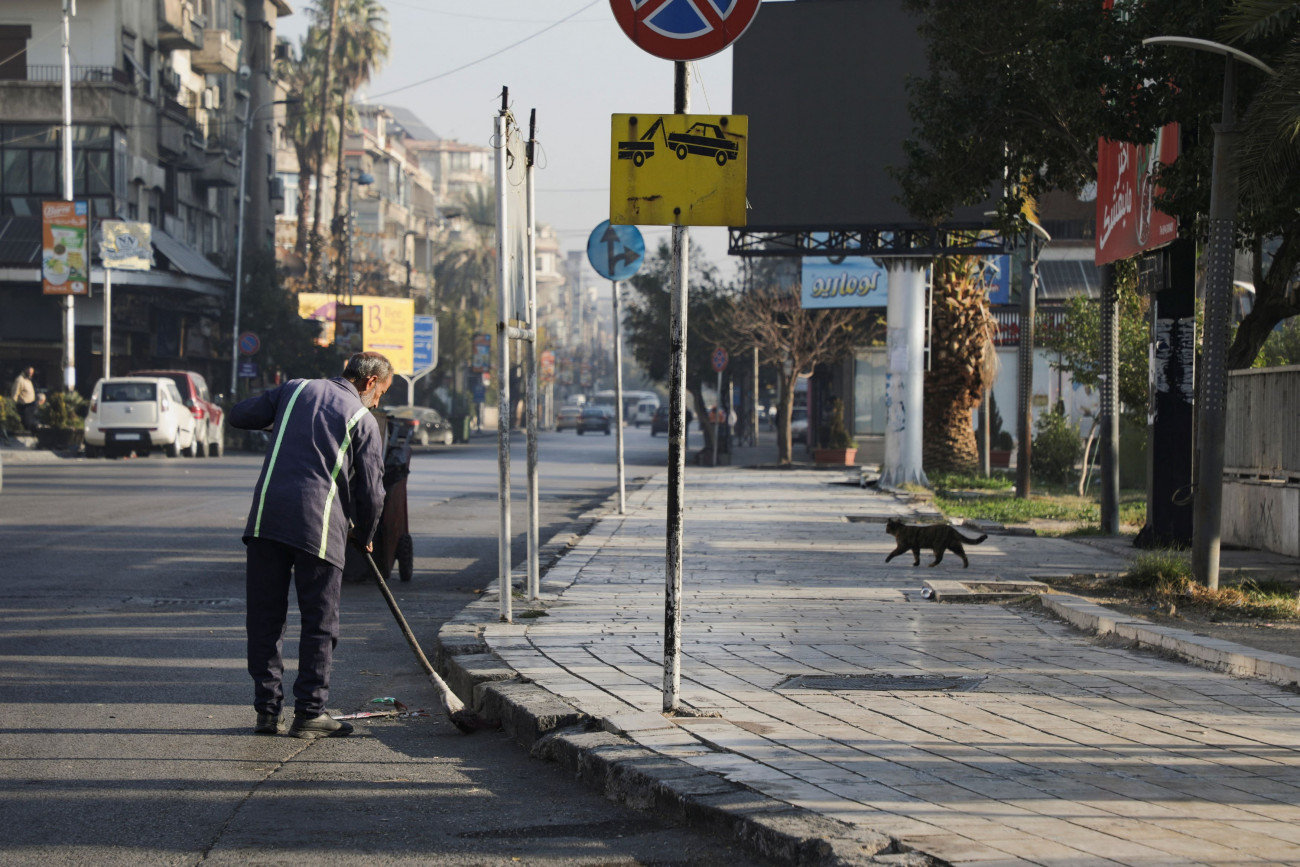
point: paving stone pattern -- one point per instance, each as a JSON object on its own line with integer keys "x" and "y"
{"x": 1068, "y": 752}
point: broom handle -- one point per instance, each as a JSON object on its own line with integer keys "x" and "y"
{"x": 401, "y": 621}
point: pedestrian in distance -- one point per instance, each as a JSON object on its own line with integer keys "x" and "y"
{"x": 323, "y": 473}
{"x": 23, "y": 393}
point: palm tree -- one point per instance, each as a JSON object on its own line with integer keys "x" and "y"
{"x": 361, "y": 47}
{"x": 302, "y": 76}
{"x": 963, "y": 364}
{"x": 325, "y": 94}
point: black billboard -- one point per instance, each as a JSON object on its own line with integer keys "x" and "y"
{"x": 823, "y": 84}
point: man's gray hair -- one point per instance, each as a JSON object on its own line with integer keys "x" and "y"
{"x": 363, "y": 365}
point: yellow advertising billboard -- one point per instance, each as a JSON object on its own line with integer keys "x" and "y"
{"x": 678, "y": 169}
{"x": 387, "y": 325}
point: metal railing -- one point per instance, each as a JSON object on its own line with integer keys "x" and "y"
{"x": 50, "y": 73}
{"x": 1262, "y": 439}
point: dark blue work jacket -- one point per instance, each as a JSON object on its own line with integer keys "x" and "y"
{"x": 323, "y": 469}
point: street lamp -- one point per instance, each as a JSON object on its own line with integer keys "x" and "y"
{"x": 250, "y": 117}
{"x": 1221, "y": 253}
{"x": 365, "y": 179}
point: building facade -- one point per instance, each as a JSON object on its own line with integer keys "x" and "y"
{"x": 160, "y": 91}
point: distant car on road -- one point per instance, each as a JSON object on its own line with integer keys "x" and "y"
{"x": 139, "y": 414}
{"x": 567, "y": 417}
{"x": 596, "y": 418}
{"x": 210, "y": 427}
{"x": 659, "y": 422}
{"x": 429, "y": 425}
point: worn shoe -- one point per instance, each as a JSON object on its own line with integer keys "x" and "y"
{"x": 267, "y": 724}
{"x": 311, "y": 726}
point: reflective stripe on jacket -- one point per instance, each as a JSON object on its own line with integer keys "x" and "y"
{"x": 323, "y": 470}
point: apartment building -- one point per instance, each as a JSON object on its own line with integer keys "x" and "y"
{"x": 160, "y": 90}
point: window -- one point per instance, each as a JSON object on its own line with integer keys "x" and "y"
{"x": 13, "y": 51}
{"x": 31, "y": 167}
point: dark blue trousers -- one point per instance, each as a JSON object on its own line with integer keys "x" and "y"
{"x": 319, "y": 585}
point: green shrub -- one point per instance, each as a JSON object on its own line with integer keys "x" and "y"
{"x": 1057, "y": 447}
{"x": 64, "y": 410}
{"x": 10, "y": 421}
{"x": 1160, "y": 572}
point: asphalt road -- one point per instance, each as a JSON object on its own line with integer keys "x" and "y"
{"x": 125, "y": 723}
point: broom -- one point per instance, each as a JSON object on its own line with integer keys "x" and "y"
{"x": 461, "y": 717}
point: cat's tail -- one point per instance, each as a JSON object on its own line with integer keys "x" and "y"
{"x": 968, "y": 540}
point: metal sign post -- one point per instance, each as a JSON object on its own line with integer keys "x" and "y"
{"x": 501, "y": 126}
{"x": 676, "y": 432}
{"x": 659, "y": 30}
{"x": 719, "y": 365}
{"x": 616, "y": 252}
{"x": 530, "y": 387}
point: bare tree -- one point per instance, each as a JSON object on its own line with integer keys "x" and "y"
{"x": 795, "y": 339}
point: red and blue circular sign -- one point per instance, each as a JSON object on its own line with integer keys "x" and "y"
{"x": 720, "y": 359}
{"x": 683, "y": 29}
{"x": 249, "y": 343}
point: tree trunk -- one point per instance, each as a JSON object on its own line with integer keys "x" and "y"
{"x": 784, "y": 409}
{"x": 343, "y": 228}
{"x": 327, "y": 89}
{"x": 959, "y": 343}
{"x": 304, "y": 193}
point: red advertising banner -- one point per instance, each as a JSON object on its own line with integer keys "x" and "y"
{"x": 1127, "y": 221}
{"x": 65, "y": 256}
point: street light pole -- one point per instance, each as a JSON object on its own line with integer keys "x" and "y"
{"x": 250, "y": 117}
{"x": 1221, "y": 254}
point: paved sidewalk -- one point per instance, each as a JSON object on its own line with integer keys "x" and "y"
{"x": 1044, "y": 746}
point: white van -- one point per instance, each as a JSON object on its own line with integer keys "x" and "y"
{"x": 645, "y": 410}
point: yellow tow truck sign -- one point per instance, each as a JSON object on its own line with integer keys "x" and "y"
{"x": 678, "y": 169}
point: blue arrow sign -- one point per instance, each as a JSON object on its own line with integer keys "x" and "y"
{"x": 616, "y": 252}
{"x": 425, "y": 349}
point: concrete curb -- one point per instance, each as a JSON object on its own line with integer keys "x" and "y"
{"x": 1225, "y": 656}
{"x": 614, "y": 765}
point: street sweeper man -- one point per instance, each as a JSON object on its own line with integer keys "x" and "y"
{"x": 323, "y": 473}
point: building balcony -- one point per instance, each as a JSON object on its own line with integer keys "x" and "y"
{"x": 219, "y": 55}
{"x": 220, "y": 169}
{"x": 179, "y": 27}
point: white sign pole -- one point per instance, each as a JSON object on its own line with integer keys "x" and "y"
{"x": 618, "y": 399}
{"x": 69, "y": 193}
{"x": 530, "y": 388}
{"x": 108, "y": 320}
{"x": 501, "y": 125}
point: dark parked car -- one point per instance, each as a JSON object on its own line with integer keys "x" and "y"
{"x": 429, "y": 425}
{"x": 596, "y": 418}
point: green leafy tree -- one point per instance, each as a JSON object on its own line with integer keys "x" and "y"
{"x": 1049, "y": 79}
{"x": 1077, "y": 343}
{"x": 288, "y": 340}
{"x": 1282, "y": 347}
{"x": 360, "y": 49}
{"x": 647, "y": 315}
{"x": 302, "y": 75}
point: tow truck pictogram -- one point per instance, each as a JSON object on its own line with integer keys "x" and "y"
{"x": 703, "y": 139}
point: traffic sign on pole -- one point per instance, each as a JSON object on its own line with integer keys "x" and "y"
{"x": 684, "y": 29}
{"x": 678, "y": 169}
{"x": 425, "y": 350}
{"x": 720, "y": 359}
{"x": 616, "y": 252}
{"x": 249, "y": 343}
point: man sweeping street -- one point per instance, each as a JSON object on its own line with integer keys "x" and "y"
{"x": 323, "y": 472}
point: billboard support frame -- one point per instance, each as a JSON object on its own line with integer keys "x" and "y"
{"x": 874, "y": 241}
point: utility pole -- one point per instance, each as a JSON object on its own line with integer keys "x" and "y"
{"x": 69, "y": 193}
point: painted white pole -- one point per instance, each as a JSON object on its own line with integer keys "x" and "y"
{"x": 534, "y": 545}
{"x": 904, "y": 374}
{"x": 717, "y": 412}
{"x": 239, "y": 259}
{"x": 618, "y": 398}
{"x": 677, "y": 331}
{"x": 69, "y": 194}
{"x": 108, "y": 321}
{"x": 503, "y": 364}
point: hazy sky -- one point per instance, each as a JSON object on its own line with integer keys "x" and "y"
{"x": 575, "y": 74}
